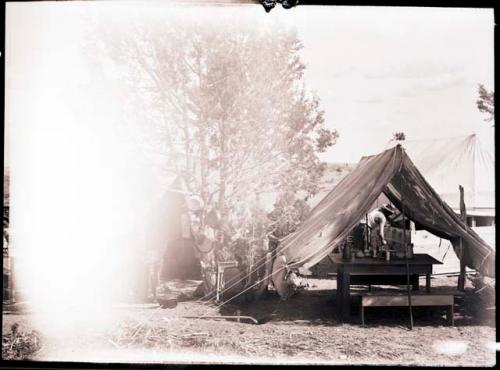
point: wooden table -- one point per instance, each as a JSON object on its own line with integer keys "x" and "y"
{"x": 371, "y": 271}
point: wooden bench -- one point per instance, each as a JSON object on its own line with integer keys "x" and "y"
{"x": 400, "y": 299}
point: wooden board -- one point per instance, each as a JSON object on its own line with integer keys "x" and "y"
{"x": 402, "y": 300}
{"x": 418, "y": 259}
{"x": 380, "y": 279}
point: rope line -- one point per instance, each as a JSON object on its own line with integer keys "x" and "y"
{"x": 199, "y": 317}
{"x": 449, "y": 245}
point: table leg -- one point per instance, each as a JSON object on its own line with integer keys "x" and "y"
{"x": 338, "y": 300}
{"x": 415, "y": 282}
{"x": 449, "y": 315}
{"x": 428, "y": 282}
{"x": 346, "y": 296}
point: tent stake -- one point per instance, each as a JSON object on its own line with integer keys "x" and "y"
{"x": 406, "y": 256}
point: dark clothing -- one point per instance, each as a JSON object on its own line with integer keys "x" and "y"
{"x": 359, "y": 237}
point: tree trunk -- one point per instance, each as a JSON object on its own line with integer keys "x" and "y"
{"x": 187, "y": 150}
{"x": 203, "y": 172}
{"x": 222, "y": 185}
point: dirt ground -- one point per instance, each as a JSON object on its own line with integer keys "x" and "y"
{"x": 304, "y": 329}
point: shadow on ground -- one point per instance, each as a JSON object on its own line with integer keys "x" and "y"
{"x": 311, "y": 307}
{"x": 318, "y": 307}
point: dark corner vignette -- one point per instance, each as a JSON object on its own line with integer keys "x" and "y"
{"x": 288, "y": 4}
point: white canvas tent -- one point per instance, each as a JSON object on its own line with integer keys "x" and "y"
{"x": 447, "y": 163}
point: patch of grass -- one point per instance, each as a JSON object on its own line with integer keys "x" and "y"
{"x": 19, "y": 344}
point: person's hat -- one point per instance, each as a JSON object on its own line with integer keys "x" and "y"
{"x": 389, "y": 208}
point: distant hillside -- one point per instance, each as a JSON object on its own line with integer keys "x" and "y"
{"x": 333, "y": 174}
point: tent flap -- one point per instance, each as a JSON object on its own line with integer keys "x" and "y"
{"x": 424, "y": 206}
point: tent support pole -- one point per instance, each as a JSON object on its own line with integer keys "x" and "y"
{"x": 463, "y": 215}
{"x": 406, "y": 258}
{"x": 461, "y": 277}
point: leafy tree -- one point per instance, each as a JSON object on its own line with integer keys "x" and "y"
{"x": 486, "y": 102}
{"x": 288, "y": 214}
{"x": 229, "y": 105}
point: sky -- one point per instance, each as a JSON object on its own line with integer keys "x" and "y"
{"x": 81, "y": 182}
{"x": 381, "y": 70}
{"x": 377, "y": 70}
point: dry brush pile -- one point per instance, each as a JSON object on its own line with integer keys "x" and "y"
{"x": 20, "y": 344}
